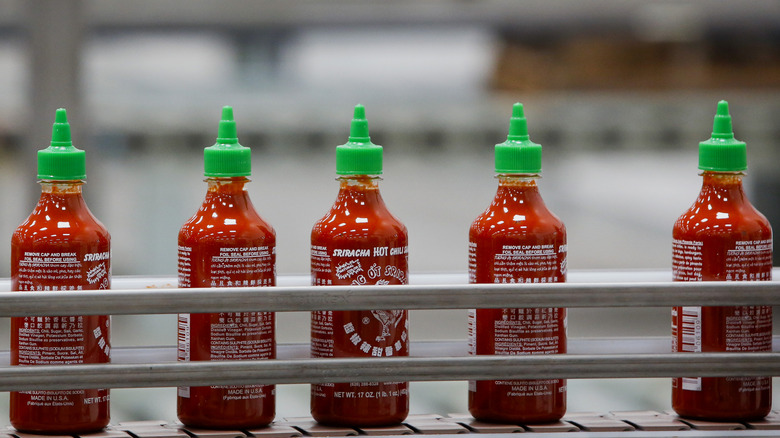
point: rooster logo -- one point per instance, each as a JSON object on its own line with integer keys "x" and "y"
{"x": 389, "y": 319}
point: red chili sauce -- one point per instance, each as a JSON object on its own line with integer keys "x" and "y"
{"x": 517, "y": 240}
{"x": 60, "y": 247}
{"x": 226, "y": 243}
{"x": 722, "y": 238}
{"x": 359, "y": 242}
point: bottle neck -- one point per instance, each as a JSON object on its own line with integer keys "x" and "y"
{"x": 723, "y": 187}
{"x": 359, "y": 181}
{"x": 55, "y": 187}
{"x": 360, "y": 191}
{"x": 722, "y": 177}
{"x": 227, "y": 193}
{"x": 517, "y": 179}
{"x": 518, "y": 189}
{"x": 227, "y": 184}
{"x": 61, "y": 195}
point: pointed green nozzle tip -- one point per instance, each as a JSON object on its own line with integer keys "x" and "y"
{"x": 227, "y": 158}
{"x": 61, "y": 161}
{"x": 518, "y": 124}
{"x": 722, "y": 152}
{"x": 227, "y": 127}
{"x": 358, "y": 129}
{"x": 359, "y": 156}
{"x": 518, "y": 154}
{"x": 721, "y": 126}
{"x": 60, "y": 132}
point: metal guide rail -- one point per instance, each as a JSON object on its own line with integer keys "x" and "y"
{"x": 428, "y": 361}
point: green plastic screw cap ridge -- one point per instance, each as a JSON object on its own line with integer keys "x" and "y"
{"x": 359, "y": 156}
{"x": 227, "y": 158}
{"x": 61, "y": 161}
{"x": 722, "y": 152}
{"x": 518, "y": 154}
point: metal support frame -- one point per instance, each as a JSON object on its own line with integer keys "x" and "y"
{"x": 451, "y": 364}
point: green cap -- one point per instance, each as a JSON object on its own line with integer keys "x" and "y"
{"x": 518, "y": 154}
{"x": 722, "y": 152}
{"x": 61, "y": 160}
{"x": 227, "y": 157}
{"x": 359, "y": 156}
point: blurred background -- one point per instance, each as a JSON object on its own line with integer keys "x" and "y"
{"x": 618, "y": 92}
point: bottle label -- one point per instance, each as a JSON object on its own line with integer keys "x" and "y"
{"x": 233, "y": 336}
{"x": 472, "y": 262}
{"x": 64, "y": 271}
{"x": 747, "y": 260}
{"x": 232, "y": 267}
{"x": 523, "y": 263}
{"x": 520, "y": 331}
{"x": 374, "y": 333}
{"x": 736, "y": 328}
{"x": 230, "y": 335}
{"x": 61, "y": 340}
{"x": 378, "y": 265}
{"x": 369, "y": 333}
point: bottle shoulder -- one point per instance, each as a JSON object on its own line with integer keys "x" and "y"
{"x": 367, "y": 225}
{"x": 225, "y": 225}
{"x": 359, "y": 213}
{"x": 517, "y": 216}
{"x": 58, "y": 220}
{"x": 359, "y": 227}
{"x": 718, "y": 217}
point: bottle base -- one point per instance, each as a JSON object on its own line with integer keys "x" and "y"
{"x": 722, "y": 416}
{"x": 58, "y": 430}
{"x": 346, "y": 421}
{"x": 209, "y": 424}
{"x": 517, "y": 419}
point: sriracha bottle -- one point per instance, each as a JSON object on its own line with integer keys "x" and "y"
{"x": 359, "y": 242}
{"x": 517, "y": 240}
{"x": 61, "y": 247}
{"x": 226, "y": 243}
{"x": 722, "y": 238}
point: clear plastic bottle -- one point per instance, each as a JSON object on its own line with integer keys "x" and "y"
{"x": 517, "y": 240}
{"x": 359, "y": 242}
{"x": 60, "y": 247}
{"x": 226, "y": 243}
{"x": 722, "y": 238}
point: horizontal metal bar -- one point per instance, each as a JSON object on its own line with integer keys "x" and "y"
{"x": 459, "y": 296}
{"x": 293, "y": 351}
{"x": 47, "y": 377}
{"x": 452, "y": 348}
{"x": 272, "y": 14}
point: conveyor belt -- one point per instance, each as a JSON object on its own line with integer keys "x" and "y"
{"x": 585, "y": 424}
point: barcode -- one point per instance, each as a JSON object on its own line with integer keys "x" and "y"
{"x": 691, "y": 341}
{"x": 184, "y": 337}
{"x": 691, "y": 329}
{"x": 183, "y": 348}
